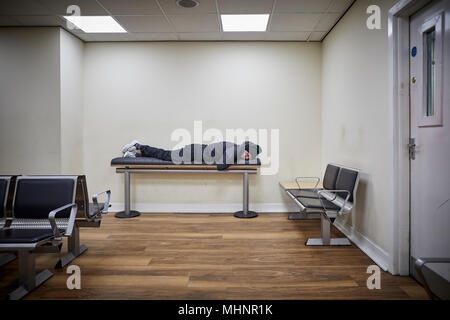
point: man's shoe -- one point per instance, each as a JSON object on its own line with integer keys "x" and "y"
{"x": 129, "y": 145}
{"x": 129, "y": 154}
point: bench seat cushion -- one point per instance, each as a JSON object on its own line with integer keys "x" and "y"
{"x": 154, "y": 161}
{"x": 315, "y": 203}
{"x": 24, "y": 235}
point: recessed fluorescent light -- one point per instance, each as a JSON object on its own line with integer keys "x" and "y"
{"x": 96, "y": 24}
{"x": 244, "y": 22}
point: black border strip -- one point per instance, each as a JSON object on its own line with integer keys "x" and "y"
{"x": 323, "y": 39}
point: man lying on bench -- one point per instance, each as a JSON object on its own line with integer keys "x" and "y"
{"x": 223, "y": 154}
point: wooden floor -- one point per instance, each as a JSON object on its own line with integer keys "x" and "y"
{"x": 201, "y": 256}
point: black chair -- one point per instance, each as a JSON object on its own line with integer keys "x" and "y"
{"x": 46, "y": 201}
{"x": 337, "y": 197}
{"x": 329, "y": 183}
{"x": 334, "y": 203}
{"x": 89, "y": 215}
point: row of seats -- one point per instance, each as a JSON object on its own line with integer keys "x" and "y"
{"x": 336, "y": 197}
{"x": 36, "y": 213}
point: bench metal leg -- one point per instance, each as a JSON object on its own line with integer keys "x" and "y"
{"x": 28, "y": 281}
{"x": 75, "y": 249}
{"x": 7, "y": 258}
{"x": 326, "y": 240}
{"x": 127, "y": 213}
{"x": 245, "y": 213}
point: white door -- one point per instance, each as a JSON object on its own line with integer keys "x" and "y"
{"x": 430, "y": 127}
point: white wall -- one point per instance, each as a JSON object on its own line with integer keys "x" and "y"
{"x": 29, "y": 101}
{"x": 71, "y": 70}
{"x": 355, "y": 117}
{"x": 147, "y": 90}
{"x": 40, "y": 101}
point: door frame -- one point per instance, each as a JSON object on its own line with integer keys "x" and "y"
{"x": 399, "y": 103}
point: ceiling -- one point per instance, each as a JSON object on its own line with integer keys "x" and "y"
{"x": 164, "y": 20}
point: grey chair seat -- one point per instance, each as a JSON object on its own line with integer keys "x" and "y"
{"x": 315, "y": 203}
{"x": 307, "y": 193}
{"x": 25, "y": 235}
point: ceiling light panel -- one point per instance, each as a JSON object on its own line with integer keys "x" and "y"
{"x": 244, "y": 22}
{"x": 96, "y": 24}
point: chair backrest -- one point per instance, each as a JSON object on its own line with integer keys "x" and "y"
{"x": 36, "y": 196}
{"x": 4, "y": 187}
{"x": 347, "y": 180}
{"x": 330, "y": 177}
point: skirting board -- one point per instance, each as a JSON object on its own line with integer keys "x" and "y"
{"x": 204, "y": 207}
{"x": 378, "y": 255}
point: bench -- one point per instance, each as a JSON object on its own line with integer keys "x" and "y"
{"x": 44, "y": 198}
{"x": 336, "y": 197}
{"x": 151, "y": 165}
{"x": 89, "y": 215}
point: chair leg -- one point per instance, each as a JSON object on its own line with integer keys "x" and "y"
{"x": 326, "y": 240}
{"x": 325, "y": 230}
{"x": 28, "y": 281}
{"x": 75, "y": 249}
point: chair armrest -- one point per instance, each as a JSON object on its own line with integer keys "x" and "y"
{"x": 52, "y": 219}
{"x": 335, "y": 192}
{"x": 106, "y": 206}
{"x": 297, "y": 179}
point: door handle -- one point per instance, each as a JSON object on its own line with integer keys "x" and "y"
{"x": 412, "y": 148}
